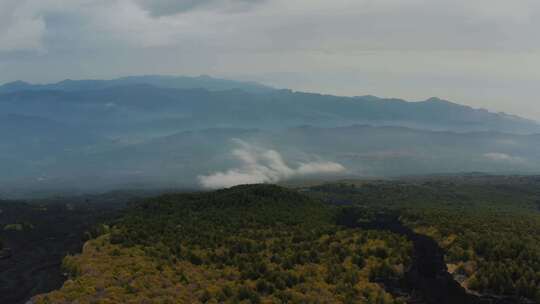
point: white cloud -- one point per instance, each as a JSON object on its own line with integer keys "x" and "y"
{"x": 502, "y": 157}
{"x": 319, "y": 167}
{"x": 263, "y": 166}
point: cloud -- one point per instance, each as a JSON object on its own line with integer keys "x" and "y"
{"x": 160, "y": 8}
{"x": 20, "y": 28}
{"x": 319, "y": 167}
{"x": 341, "y": 27}
{"x": 475, "y": 52}
{"x": 502, "y": 157}
{"x": 263, "y": 166}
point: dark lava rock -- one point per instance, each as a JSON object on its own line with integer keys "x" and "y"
{"x": 428, "y": 279}
{"x": 429, "y": 275}
{"x": 5, "y": 254}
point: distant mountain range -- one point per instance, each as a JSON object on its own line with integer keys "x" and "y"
{"x": 164, "y": 103}
{"x": 172, "y": 82}
{"x": 169, "y": 130}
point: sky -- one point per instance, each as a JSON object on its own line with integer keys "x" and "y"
{"x": 483, "y": 53}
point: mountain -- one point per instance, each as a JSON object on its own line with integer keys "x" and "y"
{"x": 180, "y": 160}
{"x": 168, "y": 131}
{"x": 119, "y": 108}
{"x": 176, "y": 82}
{"x": 32, "y": 135}
{"x": 363, "y": 150}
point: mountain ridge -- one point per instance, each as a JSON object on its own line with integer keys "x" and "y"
{"x": 202, "y": 81}
{"x": 247, "y": 107}
{"x": 95, "y": 136}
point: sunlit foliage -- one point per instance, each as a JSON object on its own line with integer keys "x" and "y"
{"x": 248, "y": 244}
{"x": 488, "y": 226}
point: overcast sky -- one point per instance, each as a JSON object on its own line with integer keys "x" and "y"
{"x": 484, "y": 53}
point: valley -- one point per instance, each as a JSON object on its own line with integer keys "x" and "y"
{"x": 418, "y": 227}
{"x": 269, "y": 152}
{"x": 165, "y": 132}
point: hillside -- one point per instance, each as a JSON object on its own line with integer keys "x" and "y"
{"x": 400, "y": 241}
{"x": 248, "y": 244}
{"x": 487, "y": 226}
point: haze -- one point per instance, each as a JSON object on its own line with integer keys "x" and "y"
{"x": 482, "y": 53}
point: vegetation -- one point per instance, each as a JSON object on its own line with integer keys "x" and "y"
{"x": 266, "y": 244}
{"x": 496, "y": 253}
{"x": 488, "y": 226}
{"x": 18, "y": 227}
{"x": 247, "y": 244}
{"x": 51, "y": 228}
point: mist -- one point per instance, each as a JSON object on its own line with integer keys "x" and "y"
{"x": 260, "y": 165}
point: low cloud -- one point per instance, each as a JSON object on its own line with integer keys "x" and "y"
{"x": 260, "y": 165}
{"x": 502, "y": 157}
{"x": 159, "y": 8}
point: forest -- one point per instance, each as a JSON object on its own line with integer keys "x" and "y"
{"x": 488, "y": 226}
{"x": 247, "y": 244}
{"x": 270, "y": 244}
